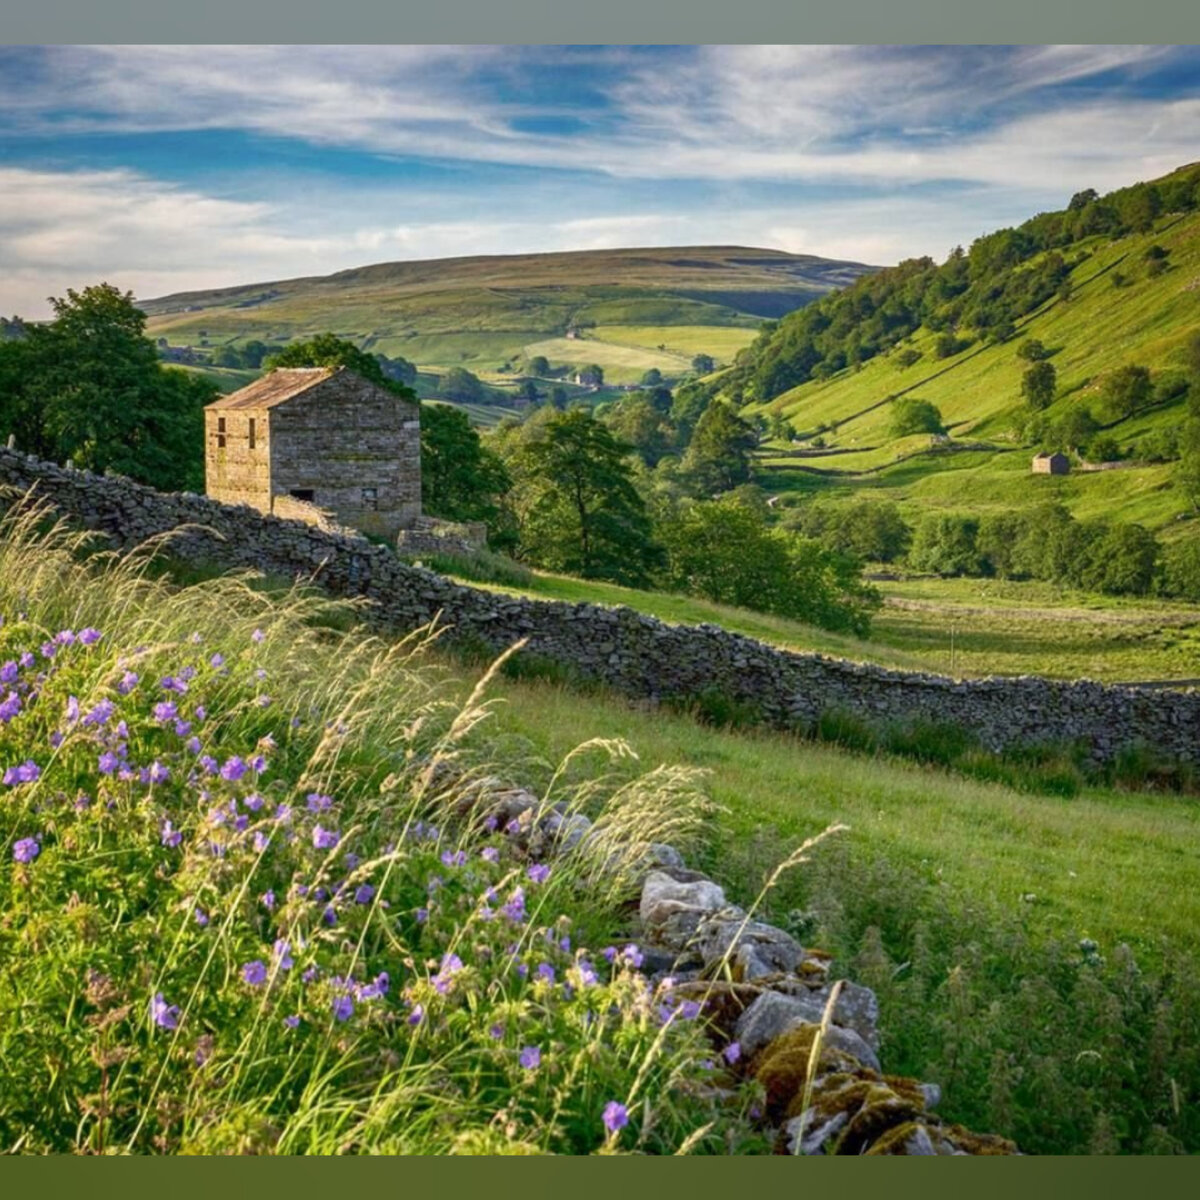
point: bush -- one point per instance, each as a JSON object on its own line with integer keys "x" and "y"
{"x": 910, "y": 416}
{"x": 869, "y": 530}
{"x": 908, "y": 357}
{"x": 1181, "y": 569}
{"x": 1104, "y": 449}
{"x": 1031, "y": 350}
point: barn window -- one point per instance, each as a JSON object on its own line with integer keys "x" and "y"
{"x": 370, "y": 497}
{"x": 251, "y": 433}
{"x": 303, "y": 494}
{"x": 220, "y": 433}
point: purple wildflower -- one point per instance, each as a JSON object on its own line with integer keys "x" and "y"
{"x": 454, "y": 858}
{"x": 282, "y": 949}
{"x": 128, "y": 682}
{"x": 233, "y": 769}
{"x": 108, "y": 763}
{"x": 732, "y": 1052}
{"x": 90, "y": 636}
{"x": 587, "y": 973}
{"x": 170, "y": 684}
{"x": 539, "y": 873}
{"x": 364, "y": 893}
{"x": 530, "y": 1057}
{"x": 324, "y": 839}
{"x": 632, "y": 955}
{"x": 217, "y": 660}
{"x": 257, "y": 635}
{"x": 255, "y": 972}
{"x": 422, "y": 915}
{"x": 201, "y": 917}
{"x": 292, "y": 1021}
{"x": 26, "y": 850}
{"x": 343, "y": 1008}
{"x": 490, "y": 854}
{"x": 164, "y": 1015}
{"x": 689, "y": 1010}
{"x": 26, "y": 772}
{"x": 616, "y": 1116}
{"x": 417, "y": 1015}
{"x": 267, "y": 899}
{"x": 253, "y": 802}
{"x": 208, "y": 764}
{"x": 166, "y": 710}
{"x": 545, "y": 972}
{"x": 496, "y": 1031}
{"x": 514, "y": 909}
{"x": 192, "y": 745}
{"x": 315, "y": 802}
{"x": 10, "y": 707}
{"x": 170, "y": 836}
{"x": 159, "y": 773}
{"x": 72, "y": 711}
{"x": 8, "y": 672}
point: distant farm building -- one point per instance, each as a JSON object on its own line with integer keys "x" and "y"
{"x": 1051, "y": 464}
{"x": 305, "y": 442}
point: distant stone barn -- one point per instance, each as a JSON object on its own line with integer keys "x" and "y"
{"x": 300, "y": 440}
{"x": 1051, "y": 464}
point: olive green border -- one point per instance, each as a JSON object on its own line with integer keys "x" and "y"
{"x": 612, "y": 22}
{"x": 599, "y": 21}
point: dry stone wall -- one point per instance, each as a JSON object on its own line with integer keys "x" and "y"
{"x": 633, "y": 653}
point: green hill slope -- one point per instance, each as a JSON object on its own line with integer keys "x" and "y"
{"x": 1108, "y": 307}
{"x": 486, "y": 312}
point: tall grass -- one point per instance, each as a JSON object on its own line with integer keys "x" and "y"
{"x": 252, "y": 900}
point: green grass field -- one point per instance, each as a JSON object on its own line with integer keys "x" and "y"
{"x": 484, "y": 312}
{"x": 964, "y": 627}
{"x": 978, "y": 392}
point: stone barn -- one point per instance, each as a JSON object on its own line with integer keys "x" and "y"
{"x": 1051, "y": 464}
{"x": 302, "y": 442}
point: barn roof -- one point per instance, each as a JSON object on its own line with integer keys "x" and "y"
{"x": 275, "y": 387}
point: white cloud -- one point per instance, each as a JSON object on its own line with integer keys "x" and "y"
{"x": 69, "y": 229}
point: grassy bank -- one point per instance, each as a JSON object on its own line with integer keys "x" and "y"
{"x": 964, "y": 627}
{"x": 1037, "y": 956}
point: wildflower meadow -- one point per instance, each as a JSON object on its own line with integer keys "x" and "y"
{"x": 250, "y": 900}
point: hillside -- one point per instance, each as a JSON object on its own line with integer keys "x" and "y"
{"x": 633, "y": 310}
{"x": 1110, "y": 304}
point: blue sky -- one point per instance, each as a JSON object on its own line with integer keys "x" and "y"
{"x": 165, "y": 168}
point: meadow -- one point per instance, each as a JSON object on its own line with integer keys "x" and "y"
{"x": 490, "y": 312}
{"x": 960, "y": 627}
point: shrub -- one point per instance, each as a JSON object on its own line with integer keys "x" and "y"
{"x": 908, "y": 357}
{"x": 1126, "y": 390}
{"x": 1031, "y": 350}
{"x": 910, "y": 415}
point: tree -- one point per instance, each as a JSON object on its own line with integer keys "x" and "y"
{"x": 579, "y": 511}
{"x": 718, "y": 455}
{"x": 910, "y": 415}
{"x": 725, "y": 551}
{"x": 528, "y": 391}
{"x": 907, "y": 358}
{"x": 329, "y": 350}
{"x": 945, "y": 544}
{"x": 1031, "y": 350}
{"x": 461, "y": 478}
{"x": 868, "y": 530}
{"x": 703, "y": 364}
{"x": 651, "y": 378}
{"x": 461, "y": 386}
{"x": 399, "y": 370}
{"x": 539, "y": 365}
{"x": 1126, "y": 390}
{"x": 1038, "y": 385}
{"x": 1181, "y": 569}
{"x": 947, "y": 345}
{"x": 88, "y": 387}
{"x": 635, "y": 421}
{"x": 558, "y": 397}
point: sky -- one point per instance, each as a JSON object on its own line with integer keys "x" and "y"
{"x": 170, "y": 168}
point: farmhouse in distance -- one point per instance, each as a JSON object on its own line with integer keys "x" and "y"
{"x": 307, "y": 438}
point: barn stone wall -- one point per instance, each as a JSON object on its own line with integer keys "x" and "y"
{"x": 633, "y": 653}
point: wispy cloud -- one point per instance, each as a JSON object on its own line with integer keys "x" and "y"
{"x": 344, "y": 155}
